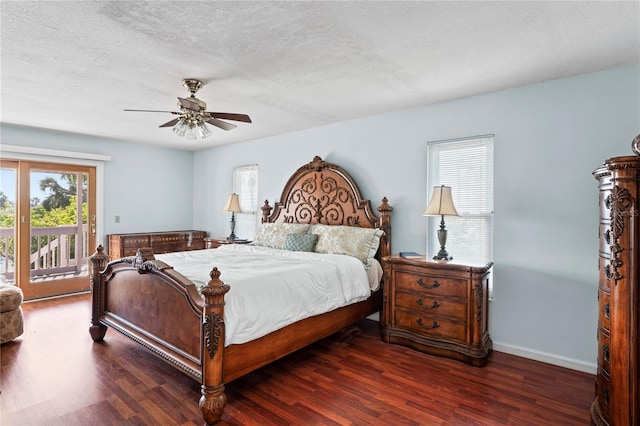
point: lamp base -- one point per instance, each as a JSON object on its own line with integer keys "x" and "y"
{"x": 442, "y": 255}
{"x": 442, "y": 238}
{"x": 232, "y": 224}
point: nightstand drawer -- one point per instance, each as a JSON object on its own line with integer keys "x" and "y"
{"x": 432, "y": 305}
{"x": 432, "y": 328}
{"x": 436, "y": 286}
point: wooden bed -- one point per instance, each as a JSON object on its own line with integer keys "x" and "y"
{"x": 156, "y": 306}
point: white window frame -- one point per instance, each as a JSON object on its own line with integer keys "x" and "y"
{"x": 471, "y": 181}
{"x": 245, "y": 184}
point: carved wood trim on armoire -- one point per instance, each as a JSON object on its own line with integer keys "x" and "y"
{"x": 617, "y": 398}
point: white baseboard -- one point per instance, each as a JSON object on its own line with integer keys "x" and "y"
{"x": 548, "y": 358}
{"x": 560, "y": 361}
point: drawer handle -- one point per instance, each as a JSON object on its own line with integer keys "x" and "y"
{"x": 606, "y": 310}
{"x": 433, "y": 306}
{"x": 431, "y": 327}
{"x": 607, "y": 236}
{"x": 435, "y": 284}
{"x": 605, "y": 351}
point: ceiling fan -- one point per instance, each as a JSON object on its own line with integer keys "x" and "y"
{"x": 193, "y": 117}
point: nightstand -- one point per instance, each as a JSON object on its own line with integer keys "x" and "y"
{"x": 440, "y": 308}
{"x": 212, "y": 243}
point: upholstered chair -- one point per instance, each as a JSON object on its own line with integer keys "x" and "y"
{"x": 11, "y": 321}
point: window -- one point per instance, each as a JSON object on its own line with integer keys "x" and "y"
{"x": 466, "y": 165}
{"x": 245, "y": 184}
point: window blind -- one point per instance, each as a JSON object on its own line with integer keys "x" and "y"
{"x": 466, "y": 165}
{"x": 245, "y": 184}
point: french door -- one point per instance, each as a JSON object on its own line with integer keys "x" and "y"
{"x": 47, "y": 226}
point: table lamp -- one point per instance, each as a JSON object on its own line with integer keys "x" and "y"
{"x": 233, "y": 206}
{"x": 441, "y": 204}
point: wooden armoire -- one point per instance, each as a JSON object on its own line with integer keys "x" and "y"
{"x": 617, "y": 401}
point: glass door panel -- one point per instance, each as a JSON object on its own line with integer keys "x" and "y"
{"x": 59, "y": 231}
{"x": 55, "y": 228}
{"x": 8, "y": 188}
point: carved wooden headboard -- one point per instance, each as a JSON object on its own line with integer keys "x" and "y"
{"x": 323, "y": 192}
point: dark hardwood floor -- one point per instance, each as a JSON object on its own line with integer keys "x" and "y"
{"x": 55, "y": 375}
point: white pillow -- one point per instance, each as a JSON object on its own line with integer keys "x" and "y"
{"x": 361, "y": 243}
{"x": 274, "y": 235}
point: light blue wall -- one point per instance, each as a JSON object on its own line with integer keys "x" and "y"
{"x": 151, "y": 189}
{"x": 548, "y": 139}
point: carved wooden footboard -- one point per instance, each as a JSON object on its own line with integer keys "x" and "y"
{"x": 187, "y": 330}
{"x": 149, "y": 302}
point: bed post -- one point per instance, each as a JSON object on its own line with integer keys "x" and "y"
{"x": 385, "y": 224}
{"x": 213, "y": 399}
{"x": 99, "y": 261}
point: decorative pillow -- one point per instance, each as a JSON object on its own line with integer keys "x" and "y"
{"x": 274, "y": 235}
{"x": 361, "y": 243}
{"x": 300, "y": 242}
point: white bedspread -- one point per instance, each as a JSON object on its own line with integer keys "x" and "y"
{"x": 272, "y": 288}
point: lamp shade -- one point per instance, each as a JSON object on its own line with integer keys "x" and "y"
{"x": 233, "y": 204}
{"x": 441, "y": 202}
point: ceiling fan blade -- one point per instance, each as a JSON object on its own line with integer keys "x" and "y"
{"x": 189, "y": 104}
{"x": 221, "y": 124}
{"x": 150, "y": 110}
{"x": 170, "y": 123}
{"x": 230, "y": 116}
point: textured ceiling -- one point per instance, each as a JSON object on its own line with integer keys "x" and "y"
{"x": 74, "y": 66}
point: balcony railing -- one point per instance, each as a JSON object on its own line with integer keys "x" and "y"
{"x": 55, "y": 250}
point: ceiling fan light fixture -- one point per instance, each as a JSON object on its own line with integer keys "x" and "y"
{"x": 191, "y": 127}
{"x": 205, "y": 132}
{"x": 180, "y": 128}
{"x": 190, "y": 133}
